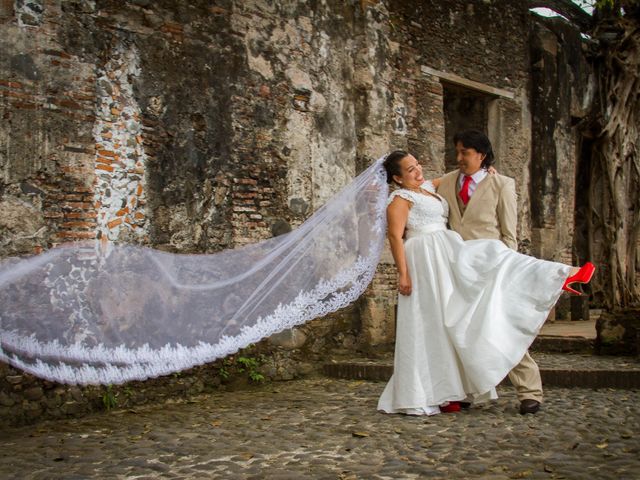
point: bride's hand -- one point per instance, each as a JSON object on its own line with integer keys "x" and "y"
{"x": 492, "y": 171}
{"x": 404, "y": 285}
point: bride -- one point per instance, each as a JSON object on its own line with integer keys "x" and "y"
{"x": 467, "y": 311}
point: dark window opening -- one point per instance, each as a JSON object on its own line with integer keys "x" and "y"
{"x": 463, "y": 109}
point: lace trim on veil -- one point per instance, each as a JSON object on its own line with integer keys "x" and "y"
{"x": 70, "y": 351}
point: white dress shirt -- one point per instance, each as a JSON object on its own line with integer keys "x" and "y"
{"x": 476, "y": 178}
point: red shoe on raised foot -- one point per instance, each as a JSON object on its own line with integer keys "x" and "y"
{"x": 451, "y": 408}
{"x": 582, "y": 276}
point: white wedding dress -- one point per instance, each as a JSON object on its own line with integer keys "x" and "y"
{"x": 474, "y": 309}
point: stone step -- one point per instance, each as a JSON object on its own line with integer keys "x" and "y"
{"x": 567, "y": 336}
{"x": 558, "y": 344}
{"x": 556, "y": 369}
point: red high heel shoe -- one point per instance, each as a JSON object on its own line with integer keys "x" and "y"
{"x": 582, "y": 276}
{"x": 451, "y": 408}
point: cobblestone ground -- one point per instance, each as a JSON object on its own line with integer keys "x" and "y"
{"x": 323, "y": 428}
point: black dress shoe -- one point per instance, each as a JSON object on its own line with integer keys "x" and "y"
{"x": 529, "y": 406}
{"x": 465, "y": 405}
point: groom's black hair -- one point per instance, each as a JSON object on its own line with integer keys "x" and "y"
{"x": 478, "y": 141}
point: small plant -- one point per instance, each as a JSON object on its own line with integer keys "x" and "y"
{"x": 256, "y": 377}
{"x": 109, "y": 399}
{"x": 250, "y": 365}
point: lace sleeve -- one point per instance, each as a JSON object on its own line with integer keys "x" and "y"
{"x": 400, "y": 193}
{"x": 429, "y": 186}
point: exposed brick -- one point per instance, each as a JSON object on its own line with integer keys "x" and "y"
{"x": 80, "y": 215}
{"x": 245, "y": 181}
{"x": 74, "y": 197}
{"x": 76, "y": 235}
{"x": 114, "y": 223}
{"x": 245, "y": 194}
{"x": 80, "y": 205}
{"x": 106, "y": 168}
{"x": 106, "y": 153}
{"x": 67, "y": 104}
{"x": 218, "y": 10}
{"x": 57, "y": 53}
{"x": 81, "y": 189}
{"x": 11, "y": 93}
{"x": 10, "y": 84}
{"x": 71, "y": 148}
{"x": 23, "y": 106}
{"x": 78, "y": 225}
{"x": 174, "y": 29}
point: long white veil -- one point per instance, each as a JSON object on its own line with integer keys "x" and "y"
{"x": 83, "y": 314}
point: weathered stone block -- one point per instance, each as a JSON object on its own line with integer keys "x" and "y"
{"x": 14, "y": 379}
{"x": 378, "y": 322}
{"x": 33, "y": 393}
{"x": 6, "y": 400}
{"x": 290, "y": 339}
{"x": 72, "y": 408}
{"x": 618, "y": 332}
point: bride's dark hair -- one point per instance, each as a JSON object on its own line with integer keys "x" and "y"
{"x": 392, "y": 164}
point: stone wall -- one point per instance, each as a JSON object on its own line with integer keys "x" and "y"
{"x": 560, "y": 94}
{"x": 200, "y": 126}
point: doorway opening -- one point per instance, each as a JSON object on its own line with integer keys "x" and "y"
{"x": 464, "y": 109}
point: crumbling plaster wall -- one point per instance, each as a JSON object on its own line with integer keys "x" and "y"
{"x": 199, "y": 126}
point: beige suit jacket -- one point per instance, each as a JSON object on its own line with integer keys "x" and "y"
{"x": 492, "y": 211}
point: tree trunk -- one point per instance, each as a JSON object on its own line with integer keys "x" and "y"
{"x": 614, "y": 227}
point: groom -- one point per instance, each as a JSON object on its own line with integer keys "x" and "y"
{"x": 484, "y": 206}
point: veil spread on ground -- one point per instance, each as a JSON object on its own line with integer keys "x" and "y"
{"x": 83, "y": 314}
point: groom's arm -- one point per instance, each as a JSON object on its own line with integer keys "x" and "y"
{"x": 508, "y": 214}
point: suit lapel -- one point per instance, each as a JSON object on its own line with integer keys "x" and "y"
{"x": 451, "y": 192}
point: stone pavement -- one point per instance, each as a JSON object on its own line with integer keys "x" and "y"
{"x": 329, "y": 429}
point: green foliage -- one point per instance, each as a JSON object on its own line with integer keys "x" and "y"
{"x": 224, "y": 369}
{"x": 246, "y": 364}
{"x": 250, "y": 365}
{"x": 603, "y": 4}
{"x": 109, "y": 398}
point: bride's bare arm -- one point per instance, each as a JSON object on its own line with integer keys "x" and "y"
{"x": 397, "y": 213}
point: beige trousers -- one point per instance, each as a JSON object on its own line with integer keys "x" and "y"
{"x": 526, "y": 378}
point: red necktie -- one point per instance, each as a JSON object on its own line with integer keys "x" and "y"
{"x": 464, "y": 191}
